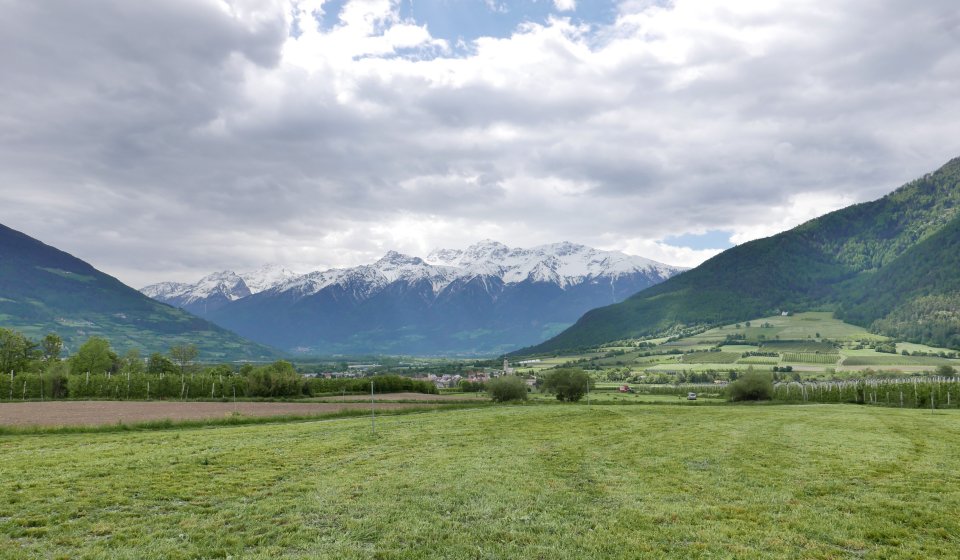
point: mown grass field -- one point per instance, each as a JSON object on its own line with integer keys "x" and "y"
{"x": 543, "y": 481}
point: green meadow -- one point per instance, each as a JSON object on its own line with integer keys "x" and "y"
{"x": 535, "y": 481}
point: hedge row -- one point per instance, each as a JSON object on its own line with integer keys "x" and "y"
{"x": 27, "y": 386}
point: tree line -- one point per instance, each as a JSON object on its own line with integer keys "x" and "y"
{"x": 31, "y": 370}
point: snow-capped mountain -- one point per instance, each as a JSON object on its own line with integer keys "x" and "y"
{"x": 566, "y": 264}
{"x": 367, "y": 280}
{"x": 266, "y": 277}
{"x": 484, "y": 299}
{"x": 218, "y": 289}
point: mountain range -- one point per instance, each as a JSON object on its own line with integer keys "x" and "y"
{"x": 43, "y": 289}
{"x": 485, "y": 299}
{"x": 892, "y": 265}
{"x": 218, "y": 289}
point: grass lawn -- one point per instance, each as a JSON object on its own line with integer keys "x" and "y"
{"x": 800, "y": 326}
{"x": 542, "y": 481}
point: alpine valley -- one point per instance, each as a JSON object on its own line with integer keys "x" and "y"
{"x": 484, "y": 300}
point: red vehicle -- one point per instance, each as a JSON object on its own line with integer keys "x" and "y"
{"x": 625, "y": 389}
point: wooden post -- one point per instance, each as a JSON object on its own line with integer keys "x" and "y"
{"x": 373, "y": 412}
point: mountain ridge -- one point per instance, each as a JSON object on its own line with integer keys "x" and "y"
{"x": 44, "y": 289}
{"x": 471, "y": 301}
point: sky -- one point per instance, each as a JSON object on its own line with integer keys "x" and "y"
{"x": 166, "y": 140}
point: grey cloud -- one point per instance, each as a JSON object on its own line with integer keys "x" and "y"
{"x": 165, "y": 140}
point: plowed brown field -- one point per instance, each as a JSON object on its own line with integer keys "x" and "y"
{"x": 90, "y": 413}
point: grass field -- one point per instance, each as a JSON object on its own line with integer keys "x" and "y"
{"x": 801, "y": 326}
{"x": 547, "y": 481}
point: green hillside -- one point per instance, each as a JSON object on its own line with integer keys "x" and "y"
{"x": 880, "y": 264}
{"x": 43, "y": 289}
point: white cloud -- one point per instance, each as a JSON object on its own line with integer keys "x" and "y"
{"x": 565, "y": 5}
{"x": 169, "y": 139}
{"x": 799, "y": 208}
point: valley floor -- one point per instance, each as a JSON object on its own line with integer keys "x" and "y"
{"x": 536, "y": 481}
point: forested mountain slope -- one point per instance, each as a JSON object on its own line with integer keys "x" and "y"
{"x": 887, "y": 264}
{"x": 43, "y": 289}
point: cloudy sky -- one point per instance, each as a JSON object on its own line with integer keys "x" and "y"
{"x": 164, "y": 140}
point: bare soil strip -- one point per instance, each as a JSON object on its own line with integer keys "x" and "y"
{"x": 97, "y": 413}
{"x": 421, "y": 397}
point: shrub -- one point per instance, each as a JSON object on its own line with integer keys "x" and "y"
{"x": 946, "y": 371}
{"x": 472, "y": 386}
{"x": 278, "y": 379}
{"x": 507, "y": 388}
{"x": 751, "y": 386}
{"x": 568, "y": 384}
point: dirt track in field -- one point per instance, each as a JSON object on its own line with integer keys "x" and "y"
{"x": 92, "y": 413}
{"x": 421, "y": 397}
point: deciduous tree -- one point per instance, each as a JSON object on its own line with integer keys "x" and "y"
{"x": 16, "y": 351}
{"x": 95, "y": 356}
{"x": 183, "y": 355}
{"x": 568, "y": 384}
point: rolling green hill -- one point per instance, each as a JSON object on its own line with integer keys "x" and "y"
{"x": 43, "y": 289}
{"x": 886, "y": 264}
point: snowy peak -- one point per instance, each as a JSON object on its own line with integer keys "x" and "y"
{"x": 165, "y": 289}
{"x": 448, "y": 257}
{"x": 562, "y": 263}
{"x": 227, "y": 284}
{"x": 266, "y": 277}
{"x": 218, "y": 288}
{"x": 394, "y": 259}
{"x": 366, "y": 280}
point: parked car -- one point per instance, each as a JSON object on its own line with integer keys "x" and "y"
{"x": 691, "y": 396}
